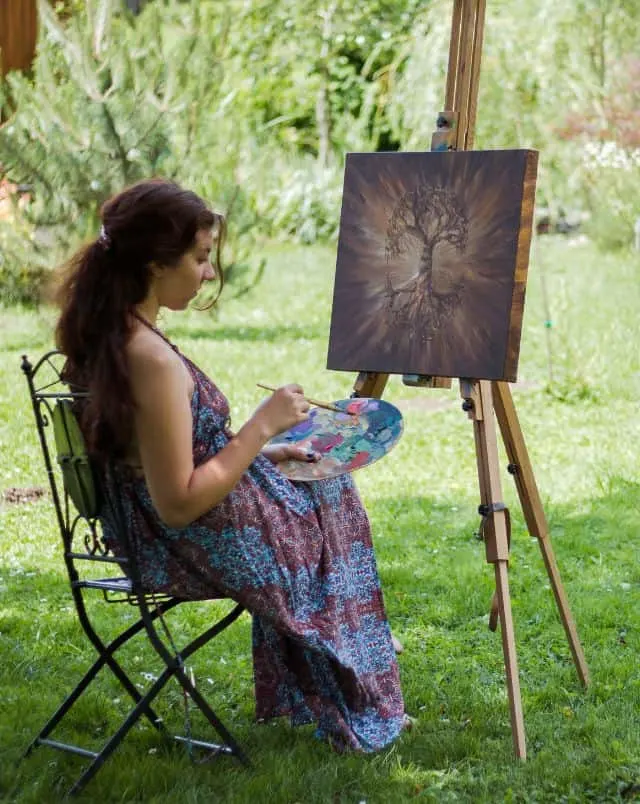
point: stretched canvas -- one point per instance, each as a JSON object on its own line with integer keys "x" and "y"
{"x": 432, "y": 262}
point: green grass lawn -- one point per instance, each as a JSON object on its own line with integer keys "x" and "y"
{"x": 583, "y": 440}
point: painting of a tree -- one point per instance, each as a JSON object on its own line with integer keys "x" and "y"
{"x": 430, "y": 216}
{"x": 432, "y": 263}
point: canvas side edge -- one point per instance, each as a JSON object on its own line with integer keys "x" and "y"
{"x": 330, "y": 340}
{"x": 523, "y": 247}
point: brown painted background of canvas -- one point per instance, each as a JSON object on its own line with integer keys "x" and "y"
{"x": 480, "y": 338}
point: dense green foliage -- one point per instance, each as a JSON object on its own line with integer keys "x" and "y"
{"x": 254, "y": 104}
{"x": 584, "y": 745}
{"x": 112, "y": 99}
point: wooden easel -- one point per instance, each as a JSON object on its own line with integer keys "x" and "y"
{"x": 482, "y": 398}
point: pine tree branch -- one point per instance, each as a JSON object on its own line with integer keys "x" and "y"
{"x": 115, "y": 138}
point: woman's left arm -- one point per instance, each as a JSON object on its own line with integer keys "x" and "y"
{"x": 277, "y": 453}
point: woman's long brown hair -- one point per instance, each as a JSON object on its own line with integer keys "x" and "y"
{"x": 154, "y": 221}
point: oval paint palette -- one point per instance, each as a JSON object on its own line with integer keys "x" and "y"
{"x": 363, "y": 432}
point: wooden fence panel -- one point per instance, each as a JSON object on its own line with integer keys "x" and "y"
{"x": 18, "y": 34}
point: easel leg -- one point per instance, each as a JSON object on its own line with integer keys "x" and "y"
{"x": 510, "y": 659}
{"x": 478, "y": 404}
{"x": 520, "y": 467}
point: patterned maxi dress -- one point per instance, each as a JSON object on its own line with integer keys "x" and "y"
{"x": 299, "y": 557}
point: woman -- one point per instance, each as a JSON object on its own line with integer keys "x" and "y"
{"x": 208, "y": 509}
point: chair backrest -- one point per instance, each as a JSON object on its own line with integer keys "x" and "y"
{"x": 78, "y": 474}
{"x": 74, "y": 481}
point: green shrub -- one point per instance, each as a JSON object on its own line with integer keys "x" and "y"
{"x": 23, "y": 264}
{"x": 611, "y": 180}
{"x": 301, "y": 201}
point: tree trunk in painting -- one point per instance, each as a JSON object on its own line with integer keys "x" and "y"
{"x": 423, "y": 218}
{"x": 426, "y": 267}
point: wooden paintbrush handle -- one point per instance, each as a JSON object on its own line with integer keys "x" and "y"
{"x": 316, "y": 402}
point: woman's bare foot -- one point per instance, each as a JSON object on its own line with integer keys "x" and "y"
{"x": 408, "y": 722}
{"x": 397, "y": 645}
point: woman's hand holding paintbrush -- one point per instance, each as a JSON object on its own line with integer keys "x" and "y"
{"x": 284, "y": 409}
{"x": 283, "y": 452}
{"x": 316, "y": 402}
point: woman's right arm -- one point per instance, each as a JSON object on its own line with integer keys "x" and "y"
{"x": 180, "y": 491}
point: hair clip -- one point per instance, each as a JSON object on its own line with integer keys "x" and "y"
{"x": 104, "y": 239}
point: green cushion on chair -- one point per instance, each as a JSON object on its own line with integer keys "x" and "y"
{"x": 77, "y": 471}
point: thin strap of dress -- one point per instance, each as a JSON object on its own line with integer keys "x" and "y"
{"x": 157, "y": 331}
{"x": 190, "y": 366}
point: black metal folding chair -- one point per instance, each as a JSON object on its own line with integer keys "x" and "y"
{"x": 77, "y": 498}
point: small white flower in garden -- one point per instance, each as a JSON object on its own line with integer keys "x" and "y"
{"x": 94, "y": 184}
{"x": 133, "y": 153}
{"x": 610, "y": 155}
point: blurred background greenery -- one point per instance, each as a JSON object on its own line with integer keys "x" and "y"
{"x": 254, "y": 104}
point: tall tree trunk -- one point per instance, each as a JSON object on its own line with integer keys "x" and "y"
{"x": 18, "y": 34}
{"x": 323, "y": 115}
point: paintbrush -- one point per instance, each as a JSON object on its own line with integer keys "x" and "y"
{"x": 317, "y": 402}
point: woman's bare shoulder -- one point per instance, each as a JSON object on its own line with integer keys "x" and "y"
{"x": 144, "y": 346}
{"x": 150, "y": 358}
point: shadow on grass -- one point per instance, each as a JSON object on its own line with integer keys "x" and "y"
{"x": 44, "y": 653}
{"x": 437, "y": 587}
{"x": 257, "y": 334}
{"x": 414, "y": 527}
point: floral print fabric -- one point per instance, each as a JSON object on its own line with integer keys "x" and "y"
{"x": 299, "y": 557}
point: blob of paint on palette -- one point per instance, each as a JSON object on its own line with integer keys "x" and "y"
{"x": 364, "y": 431}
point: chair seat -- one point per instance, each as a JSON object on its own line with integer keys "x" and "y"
{"x": 107, "y": 584}
{"x": 124, "y": 585}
